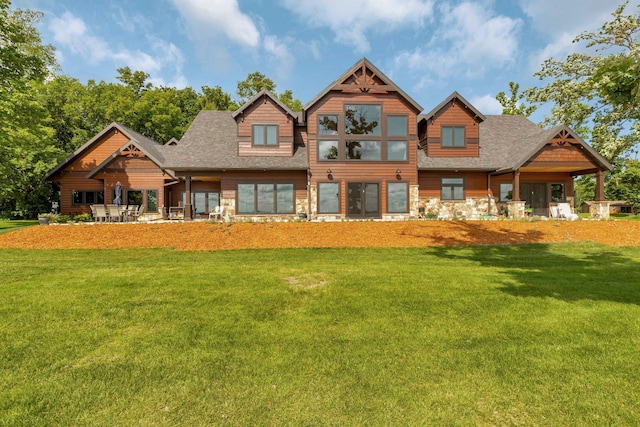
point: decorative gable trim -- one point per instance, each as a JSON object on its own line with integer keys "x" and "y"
{"x": 363, "y": 77}
{"x": 262, "y": 96}
{"x": 455, "y": 96}
{"x": 132, "y": 151}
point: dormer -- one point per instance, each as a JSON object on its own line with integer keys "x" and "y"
{"x": 265, "y": 126}
{"x": 451, "y": 129}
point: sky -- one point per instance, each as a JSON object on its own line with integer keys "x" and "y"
{"x": 429, "y": 48}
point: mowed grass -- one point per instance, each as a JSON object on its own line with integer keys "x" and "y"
{"x": 493, "y": 335}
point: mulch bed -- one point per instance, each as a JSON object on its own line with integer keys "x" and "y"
{"x": 206, "y": 236}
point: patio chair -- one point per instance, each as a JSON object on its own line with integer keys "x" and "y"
{"x": 136, "y": 213}
{"x": 101, "y": 213}
{"x": 564, "y": 211}
{"x": 217, "y": 213}
{"x": 553, "y": 211}
{"x": 113, "y": 213}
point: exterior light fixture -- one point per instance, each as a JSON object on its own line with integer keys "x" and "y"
{"x": 329, "y": 171}
{"x": 398, "y": 171}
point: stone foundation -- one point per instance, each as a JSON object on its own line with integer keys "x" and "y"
{"x": 599, "y": 210}
{"x": 516, "y": 209}
{"x": 471, "y": 208}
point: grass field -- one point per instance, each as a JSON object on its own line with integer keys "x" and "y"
{"x": 494, "y": 335}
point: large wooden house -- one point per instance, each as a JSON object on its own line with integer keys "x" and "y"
{"x": 360, "y": 149}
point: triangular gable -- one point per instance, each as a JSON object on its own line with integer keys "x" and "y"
{"x": 130, "y": 134}
{"x": 563, "y": 136}
{"x": 455, "y": 96}
{"x": 363, "y": 77}
{"x": 264, "y": 93}
{"x": 131, "y": 149}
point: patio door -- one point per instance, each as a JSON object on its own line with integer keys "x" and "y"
{"x": 535, "y": 194}
{"x": 363, "y": 200}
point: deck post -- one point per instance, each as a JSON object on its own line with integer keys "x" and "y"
{"x": 515, "y": 190}
{"x": 599, "y": 186}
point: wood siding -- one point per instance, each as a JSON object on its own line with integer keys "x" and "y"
{"x": 265, "y": 112}
{"x": 454, "y": 114}
{"x": 98, "y": 152}
{"x": 559, "y": 155}
{"x": 475, "y": 183}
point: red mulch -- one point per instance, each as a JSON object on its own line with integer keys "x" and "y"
{"x": 213, "y": 236}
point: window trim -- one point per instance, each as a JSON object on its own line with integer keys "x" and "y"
{"x": 462, "y": 185}
{"x": 265, "y": 126}
{"x": 84, "y": 197}
{"x": 256, "y": 196}
{"x": 145, "y": 200}
{"x": 500, "y": 192}
{"x": 453, "y": 136}
{"x": 406, "y": 183}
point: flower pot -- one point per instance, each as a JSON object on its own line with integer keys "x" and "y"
{"x": 43, "y": 221}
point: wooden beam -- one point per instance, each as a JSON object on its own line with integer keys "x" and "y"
{"x": 599, "y": 186}
{"x": 515, "y": 190}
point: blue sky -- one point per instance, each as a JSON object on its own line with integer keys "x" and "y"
{"x": 429, "y": 48}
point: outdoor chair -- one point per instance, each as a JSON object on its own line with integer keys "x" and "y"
{"x": 564, "y": 211}
{"x": 113, "y": 213}
{"x": 217, "y": 213}
{"x": 136, "y": 213}
{"x": 101, "y": 213}
{"x": 553, "y": 211}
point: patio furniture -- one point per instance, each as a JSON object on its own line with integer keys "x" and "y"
{"x": 113, "y": 213}
{"x": 176, "y": 212}
{"x": 136, "y": 213}
{"x": 564, "y": 211}
{"x": 217, "y": 213}
{"x": 100, "y": 212}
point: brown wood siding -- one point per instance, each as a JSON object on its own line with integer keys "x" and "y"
{"x": 475, "y": 183}
{"x": 99, "y": 152}
{"x": 262, "y": 112}
{"x": 560, "y": 156}
{"x": 453, "y": 115}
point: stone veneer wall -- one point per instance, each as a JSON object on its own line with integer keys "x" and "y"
{"x": 471, "y": 208}
{"x": 599, "y": 210}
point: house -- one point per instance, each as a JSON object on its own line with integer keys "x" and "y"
{"x": 615, "y": 207}
{"x": 362, "y": 148}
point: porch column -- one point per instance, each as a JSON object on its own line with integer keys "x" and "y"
{"x": 599, "y": 185}
{"x": 515, "y": 191}
{"x": 187, "y": 196}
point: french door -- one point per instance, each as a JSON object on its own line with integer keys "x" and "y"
{"x": 363, "y": 200}
{"x": 535, "y": 194}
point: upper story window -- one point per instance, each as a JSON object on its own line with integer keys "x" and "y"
{"x": 362, "y": 119}
{"x": 265, "y": 134}
{"x": 362, "y": 133}
{"x": 453, "y": 136}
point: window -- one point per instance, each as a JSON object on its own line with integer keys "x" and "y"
{"x": 397, "y": 197}
{"x": 327, "y": 150}
{"x": 87, "y": 197}
{"x": 265, "y": 134}
{"x": 327, "y": 124}
{"x": 363, "y": 150}
{"x": 452, "y": 188}
{"x": 506, "y": 192}
{"x": 397, "y": 125}
{"x": 201, "y": 201}
{"x": 265, "y": 199}
{"x": 362, "y": 119}
{"x": 453, "y": 136}
{"x": 557, "y": 193}
{"x": 146, "y": 198}
{"x": 328, "y": 197}
{"x": 397, "y": 150}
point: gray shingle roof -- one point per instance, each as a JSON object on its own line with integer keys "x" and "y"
{"x": 211, "y": 143}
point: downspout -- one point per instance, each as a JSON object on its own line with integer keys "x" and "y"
{"x": 489, "y": 194}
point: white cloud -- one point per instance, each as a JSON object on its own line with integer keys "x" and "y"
{"x": 212, "y": 18}
{"x": 487, "y": 104}
{"x": 72, "y": 33}
{"x": 468, "y": 41}
{"x": 280, "y": 55}
{"x": 351, "y": 20}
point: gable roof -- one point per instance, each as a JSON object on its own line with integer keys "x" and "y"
{"x": 258, "y": 96}
{"x": 211, "y": 143}
{"x": 148, "y": 150}
{"x": 148, "y": 146}
{"x": 506, "y": 143}
{"x": 455, "y": 95}
{"x": 363, "y": 64}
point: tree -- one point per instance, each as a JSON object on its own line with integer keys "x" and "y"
{"x": 27, "y": 150}
{"x": 134, "y": 80}
{"x": 253, "y": 84}
{"x": 214, "y": 98}
{"x": 594, "y": 94}
{"x": 514, "y": 105}
{"x": 624, "y": 183}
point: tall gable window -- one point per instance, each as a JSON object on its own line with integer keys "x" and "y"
{"x": 327, "y": 124}
{"x": 362, "y": 119}
{"x": 265, "y": 134}
{"x": 453, "y": 136}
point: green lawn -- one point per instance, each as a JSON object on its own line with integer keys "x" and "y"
{"x": 494, "y": 335}
{"x": 6, "y": 225}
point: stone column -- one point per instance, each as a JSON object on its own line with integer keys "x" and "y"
{"x": 516, "y": 209}
{"x": 599, "y": 210}
{"x": 414, "y": 200}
